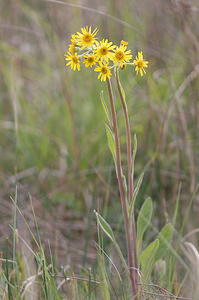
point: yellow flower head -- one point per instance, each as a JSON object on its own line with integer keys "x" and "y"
{"x": 123, "y": 67}
{"x": 121, "y": 55}
{"x": 103, "y": 51}
{"x": 72, "y": 48}
{"x": 104, "y": 71}
{"x": 73, "y": 39}
{"x": 90, "y": 60}
{"x": 86, "y": 38}
{"x": 140, "y": 64}
{"x": 73, "y": 61}
{"x": 123, "y": 43}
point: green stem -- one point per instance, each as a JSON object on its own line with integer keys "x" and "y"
{"x": 121, "y": 188}
{"x": 130, "y": 174}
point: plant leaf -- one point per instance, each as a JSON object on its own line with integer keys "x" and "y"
{"x": 109, "y": 232}
{"x": 105, "y": 107}
{"x": 143, "y": 221}
{"x": 136, "y": 191}
{"x": 147, "y": 259}
{"x": 123, "y": 93}
{"x": 125, "y": 188}
{"x": 135, "y": 143}
{"x": 165, "y": 238}
{"x": 111, "y": 143}
{"x": 105, "y": 226}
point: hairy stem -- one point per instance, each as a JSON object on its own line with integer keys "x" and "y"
{"x": 121, "y": 187}
{"x": 130, "y": 174}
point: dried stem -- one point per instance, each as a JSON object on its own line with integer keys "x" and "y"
{"x": 121, "y": 188}
{"x": 130, "y": 173}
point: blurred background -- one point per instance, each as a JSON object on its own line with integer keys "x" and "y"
{"x": 53, "y": 141}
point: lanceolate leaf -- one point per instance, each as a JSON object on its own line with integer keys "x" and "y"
{"x": 147, "y": 259}
{"x": 135, "y": 144}
{"x": 109, "y": 232}
{"x": 105, "y": 226}
{"x": 123, "y": 93}
{"x": 105, "y": 107}
{"x": 111, "y": 142}
{"x": 165, "y": 239}
{"x": 143, "y": 221}
{"x": 125, "y": 187}
{"x": 134, "y": 154}
{"x": 136, "y": 191}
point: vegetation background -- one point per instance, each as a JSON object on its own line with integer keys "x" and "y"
{"x": 53, "y": 142}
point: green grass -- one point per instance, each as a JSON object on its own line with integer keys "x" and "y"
{"x": 34, "y": 274}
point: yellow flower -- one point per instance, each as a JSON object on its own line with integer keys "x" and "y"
{"x": 140, "y": 64}
{"x": 104, "y": 49}
{"x": 86, "y": 38}
{"x": 123, "y": 43}
{"x": 90, "y": 60}
{"x": 73, "y": 38}
{"x": 73, "y": 61}
{"x": 104, "y": 71}
{"x": 121, "y": 56}
{"x": 123, "y": 67}
{"x": 72, "y": 48}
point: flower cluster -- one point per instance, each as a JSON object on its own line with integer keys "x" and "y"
{"x": 102, "y": 54}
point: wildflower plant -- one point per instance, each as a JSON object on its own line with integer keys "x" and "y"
{"x": 107, "y": 59}
{"x": 103, "y": 54}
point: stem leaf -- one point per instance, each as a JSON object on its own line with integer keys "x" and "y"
{"x": 105, "y": 107}
{"x": 109, "y": 232}
{"x": 165, "y": 238}
{"x": 111, "y": 143}
{"x": 143, "y": 221}
{"x": 136, "y": 191}
{"x": 105, "y": 226}
{"x": 147, "y": 258}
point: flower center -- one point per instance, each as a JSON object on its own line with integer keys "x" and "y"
{"x": 119, "y": 55}
{"x": 104, "y": 70}
{"x": 103, "y": 50}
{"x": 87, "y": 38}
{"x": 140, "y": 64}
{"x": 75, "y": 60}
{"x": 90, "y": 60}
